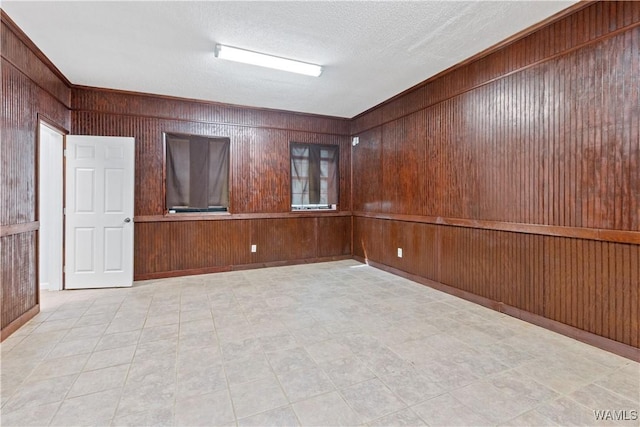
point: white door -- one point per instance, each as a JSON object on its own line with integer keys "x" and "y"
{"x": 50, "y": 196}
{"x": 99, "y": 211}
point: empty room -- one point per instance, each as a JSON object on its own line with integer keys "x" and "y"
{"x": 320, "y": 213}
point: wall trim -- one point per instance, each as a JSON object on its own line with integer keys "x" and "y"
{"x": 478, "y": 85}
{"x": 582, "y": 4}
{"x": 217, "y": 123}
{"x": 238, "y": 216}
{"x": 208, "y": 102}
{"x": 599, "y": 234}
{"x": 603, "y": 343}
{"x": 47, "y": 91}
{"x": 22, "y": 36}
{"x": 20, "y": 321}
{"x": 43, "y": 119}
{"x": 29, "y": 44}
{"x": 24, "y": 227}
{"x": 239, "y": 267}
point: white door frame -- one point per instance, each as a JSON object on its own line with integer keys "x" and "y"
{"x": 99, "y": 202}
{"x": 50, "y": 181}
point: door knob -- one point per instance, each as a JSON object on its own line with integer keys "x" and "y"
{"x": 127, "y": 220}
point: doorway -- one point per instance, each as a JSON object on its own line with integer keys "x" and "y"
{"x": 50, "y": 207}
{"x": 99, "y": 201}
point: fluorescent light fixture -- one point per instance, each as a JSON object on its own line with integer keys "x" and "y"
{"x": 255, "y": 58}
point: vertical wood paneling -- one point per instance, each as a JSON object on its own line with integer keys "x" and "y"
{"x": 559, "y": 146}
{"x": 260, "y": 176}
{"x": 187, "y": 247}
{"x": 204, "y": 244}
{"x": 259, "y": 181}
{"x": 418, "y": 243}
{"x": 505, "y": 267}
{"x": 593, "y": 286}
{"x": 283, "y": 239}
{"x": 334, "y": 236}
{"x": 19, "y": 52}
{"x": 19, "y": 287}
{"x": 368, "y": 239}
{"x": 367, "y": 183}
{"x": 30, "y": 89}
{"x": 544, "y": 131}
{"x": 18, "y": 142}
{"x": 152, "y": 246}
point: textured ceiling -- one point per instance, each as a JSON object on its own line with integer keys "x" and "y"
{"x": 370, "y": 51}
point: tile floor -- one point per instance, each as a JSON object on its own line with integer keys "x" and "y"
{"x": 327, "y": 344}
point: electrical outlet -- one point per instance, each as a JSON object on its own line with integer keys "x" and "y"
{"x": 399, "y": 252}
{"x": 254, "y": 248}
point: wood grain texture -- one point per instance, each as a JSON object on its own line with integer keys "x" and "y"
{"x": 20, "y": 52}
{"x": 555, "y": 144}
{"x": 260, "y": 203}
{"x": 260, "y": 176}
{"x": 618, "y": 236}
{"x": 624, "y": 350}
{"x": 164, "y": 248}
{"x": 18, "y": 322}
{"x": 31, "y": 89}
{"x": 9, "y": 230}
{"x": 137, "y": 104}
{"x": 586, "y": 284}
{"x": 18, "y": 275}
{"x": 513, "y": 179}
{"x": 516, "y": 177}
{"x": 593, "y": 286}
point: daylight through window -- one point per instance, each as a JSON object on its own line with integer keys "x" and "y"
{"x": 314, "y": 176}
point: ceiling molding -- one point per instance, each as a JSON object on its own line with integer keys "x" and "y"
{"x": 490, "y": 50}
{"x": 24, "y": 38}
{"x": 280, "y": 95}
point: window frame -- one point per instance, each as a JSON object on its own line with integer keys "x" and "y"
{"x": 193, "y": 211}
{"x": 314, "y": 207}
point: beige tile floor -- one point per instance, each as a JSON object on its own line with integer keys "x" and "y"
{"x": 326, "y": 344}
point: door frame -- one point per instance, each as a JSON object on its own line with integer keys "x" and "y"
{"x": 45, "y": 121}
{"x": 111, "y": 209}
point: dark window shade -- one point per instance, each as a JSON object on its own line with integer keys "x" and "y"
{"x": 314, "y": 174}
{"x": 197, "y": 171}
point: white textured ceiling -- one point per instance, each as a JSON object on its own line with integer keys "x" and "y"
{"x": 370, "y": 51}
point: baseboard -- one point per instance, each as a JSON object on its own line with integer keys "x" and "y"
{"x": 179, "y": 273}
{"x": 590, "y": 338}
{"x": 16, "y": 324}
{"x": 238, "y": 267}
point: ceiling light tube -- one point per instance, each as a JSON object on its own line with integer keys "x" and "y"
{"x": 255, "y": 58}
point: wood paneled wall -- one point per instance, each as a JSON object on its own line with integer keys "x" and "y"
{"x": 31, "y": 90}
{"x": 516, "y": 177}
{"x": 190, "y": 247}
{"x": 259, "y": 184}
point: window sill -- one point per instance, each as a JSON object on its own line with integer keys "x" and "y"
{"x": 194, "y": 215}
{"x": 295, "y": 211}
{"x": 314, "y": 208}
{"x": 223, "y": 216}
{"x": 179, "y": 211}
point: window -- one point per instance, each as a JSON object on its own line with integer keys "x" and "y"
{"x": 314, "y": 176}
{"x": 197, "y": 174}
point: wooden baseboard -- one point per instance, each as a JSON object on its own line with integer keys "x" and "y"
{"x": 603, "y": 343}
{"x": 179, "y": 273}
{"x": 208, "y": 270}
{"x": 16, "y": 324}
